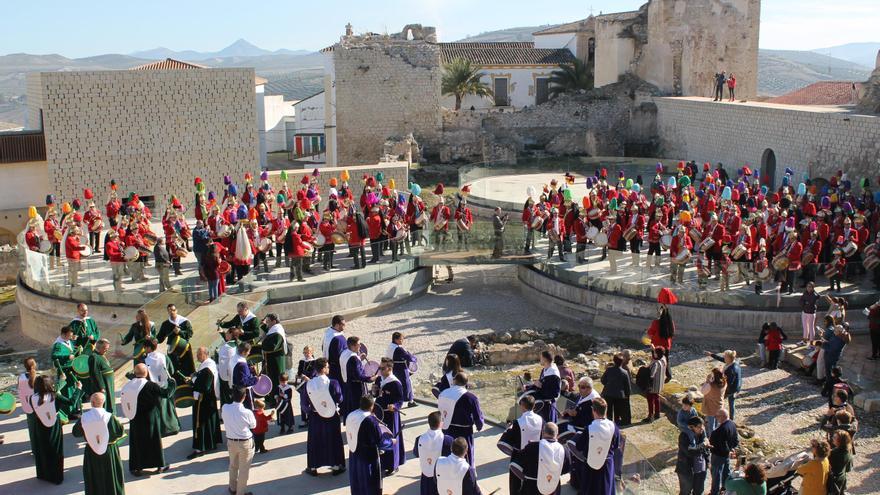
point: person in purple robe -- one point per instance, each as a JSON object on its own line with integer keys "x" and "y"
{"x": 460, "y": 412}
{"x": 525, "y": 430}
{"x": 366, "y": 439}
{"x": 547, "y": 388}
{"x": 430, "y": 447}
{"x": 305, "y": 371}
{"x": 324, "y": 442}
{"x": 333, "y": 345}
{"x": 453, "y": 474}
{"x": 596, "y": 451}
{"x": 354, "y": 379}
{"x": 451, "y": 367}
{"x": 542, "y": 464}
{"x": 390, "y": 400}
{"x": 242, "y": 374}
{"x": 402, "y": 360}
{"x": 578, "y": 417}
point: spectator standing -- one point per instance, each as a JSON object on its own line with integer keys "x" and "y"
{"x": 658, "y": 376}
{"x": 210, "y": 268}
{"x": 773, "y": 342}
{"x": 713, "y": 391}
{"x": 874, "y": 327}
{"x": 833, "y": 349}
{"x": 685, "y": 414}
{"x": 239, "y": 422}
{"x": 839, "y": 462}
{"x": 723, "y": 442}
{"x": 808, "y": 302}
{"x": 733, "y": 374}
{"x": 720, "y": 79}
{"x": 616, "y": 392}
{"x": 815, "y": 472}
{"x": 731, "y": 87}
{"x": 693, "y": 458}
{"x": 200, "y": 237}
{"x": 163, "y": 264}
{"x": 262, "y": 416}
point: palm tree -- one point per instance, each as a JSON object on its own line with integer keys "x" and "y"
{"x": 571, "y": 77}
{"x": 460, "y": 78}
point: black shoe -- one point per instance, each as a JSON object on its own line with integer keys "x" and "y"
{"x": 338, "y": 471}
{"x": 163, "y": 469}
{"x": 194, "y": 455}
{"x": 311, "y": 472}
{"x": 137, "y": 472}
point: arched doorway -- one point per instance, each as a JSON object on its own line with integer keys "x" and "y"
{"x": 768, "y": 167}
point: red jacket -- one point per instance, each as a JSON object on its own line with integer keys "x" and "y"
{"x": 113, "y": 207}
{"x": 50, "y": 226}
{"x": 262, "y": 422}
{"x": 72, "y": 248}
{"x": 580, "y": 231}
{"x": 439, "y": 214}
{"x": 32, "y": 239}
{"x": 656, "y": 339}
{"x": 298, "y": 249}
{"x": 354, "y": 237}
{"x": 773, "y": 339}
{"x": 113, "y": 251}
{"x": 466, "y": 214}
{"x": 327, "y": 228}
{"x": 374, "y": 222}
{"x": 614, "y": 236}
{"x": 794, "y": 256}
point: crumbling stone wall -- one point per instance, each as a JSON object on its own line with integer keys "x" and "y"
{"x": 870, "y": 101}
{"x": 607, "y": 121}
{"x": 386, "y": 86}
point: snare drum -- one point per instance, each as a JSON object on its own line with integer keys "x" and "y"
{"x": 830, "y": 270}
{"x": 263, "y": 387}
{"x": 593, "y": 213}
{"x": 739, "y": 251}
{"x": 130, "y": 253}
{"x": 537, "y": 222}
{"x": 81, "y": 366}
{"x": 183, "y": 396}
{"x": 871, "y": 250}
{"x": 781, "y": 262}
{"x": 86, "y": 251}
{"x": 682, "y": 257}
{"x": 592, "y": 232}
{"x": 150, "y": 239}
{"x": 850, "y": 248}
{"x": 807, "y": 258}
{"x": 266, "y": 244}
{"x": 338, "y": 238}
{"x": 601, "y": 239}
{"x": 666, "y": 241}
{"x": 695, "y": 236}
{"x": 871, "y": 262}
{"x": 707, "y": 245}
{"x": 45, "y": 246}
{"x": 320, "y": 240}
{"x": 371, "y": 368}
{"x": 413, "y": 367}
{"x": 629, "y": 233}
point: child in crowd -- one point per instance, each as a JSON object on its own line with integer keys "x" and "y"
{"x": 685, "y": 414}
{"x": 305, "y": 371}
{"x": 284, "y": 411}
{"x": 262, "y": 416}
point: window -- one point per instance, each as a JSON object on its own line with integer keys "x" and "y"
{"x": 542, "y": 90}
{"x": 500, "y": 90}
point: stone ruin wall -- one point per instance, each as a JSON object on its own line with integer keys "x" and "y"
{"x": 688, "y": 41}
{"x": 870, "y": 101}
{"x": 610, "y": 121}
{"x": 385, "y": 88}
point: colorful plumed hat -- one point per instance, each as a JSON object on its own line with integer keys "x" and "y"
{"x": 789, "y": 224}
{"x": 233, "y": 190}
{"x": 439, "y": 190}
{"x": 415, "y": 188}
{"x": 242, "y": 212}
{"x": 316, "y": 173}
{"x": 76, "y": 204}
{"x": 333, "y": 182}
{"x": 305, "y": 180}
{"x": 284, "y": 175}
{"x": 50, "y": 200}
{"x": 226, "y": 180}
{"x": 264, "y": 175}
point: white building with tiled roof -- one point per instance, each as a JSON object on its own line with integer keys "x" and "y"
{"x": 517, "y": 72}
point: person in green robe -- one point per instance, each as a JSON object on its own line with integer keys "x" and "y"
{"x": 145, "y": 428}
{"x": 179, "y": 331}
{"x": 162, "y": 372}
{"x": 102, "y": 465}
{"x": 101, "y": 375}
{"x": 206, "y": 418}
{"x": 224, "y": 356}
{"x": 245, "y": 320}
{"x": 63, "y": 353}
{"x": 47, "y": 444}
{"x": 140, "y": 331}
{"x": 274, "y": 347}
{"x": 85, "y": 328}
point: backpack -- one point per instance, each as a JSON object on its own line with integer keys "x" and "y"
{"x": 643, "y": 378}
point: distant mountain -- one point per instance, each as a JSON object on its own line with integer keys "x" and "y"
{"x": 860, "y": 53}
{"x": 511, "y": 34}
{"x": 240, "y": 48}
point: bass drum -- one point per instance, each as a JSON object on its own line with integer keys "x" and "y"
{"x": 131, "y": 253}
{"x": 183, "y": 396}
{"x": 665, "y": 241}
{"x": 683, "y": 257}
{"x": 320, "y": 240}
{"x": 601, "y": 239}
{"x": 592, "y": 232}
{"x": 45, "y": 246}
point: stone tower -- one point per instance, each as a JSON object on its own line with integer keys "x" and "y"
{"x": 689, "y": 41}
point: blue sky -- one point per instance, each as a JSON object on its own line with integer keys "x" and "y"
{"x": 78, "y": 29}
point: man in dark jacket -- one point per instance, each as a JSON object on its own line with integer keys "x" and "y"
{"x": 693, "y": 458}
{"x": 616, "y": 391}
{"x": 723, "y": 443}
{"x": 464, "y": 349}
{"x": 720, "y": 79}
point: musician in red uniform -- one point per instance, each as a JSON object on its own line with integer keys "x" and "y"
{"x": 327, "y": 227}
{"x": 296, "y": 251}
{"x": 53, "y": 233}
{"x": 358, "y": 232}
{"x": 415, "y": 218}
{"x": 136, "y": 266}
{"x": 616, "y": 242}
{"x": 555, "y": 233}
{"x": 94, "y": 223}
{"x": 280, "y": 224}
{"x": 681, "y": 243}
{"x": 715, "y": 231}
{"x": 463, "y": 222}
{"x": 864, "y": 236}
{"x": 376, "y": 224}
{"x": 811, "y": 252}
{"x": 112, "y": 208}
{"x": 113, "y": 251}
{"x": 32, "y": 237}
{"x": 741, "y": 252}
{"x": 307, "y": 234}
{"x": 528, "y": 212}
{"x": 656, "y": 228}
{"x": 72, "y": 248}
{"x": 793, "y": 251}
{"x": 580, "y": 227}
{"x": 636, "y": 221}
{"x": 850, "y": 238}
{"x": 440, "y": 216}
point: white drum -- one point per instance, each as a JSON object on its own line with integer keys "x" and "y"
{"x": 601, "y": 239}
{"x": 131, "y": 253}
{"x": 45, "y": 246}
{"x": 320, "y": 240}
{"x": 86, "y": 251}
{"x": 592, "y": 232}
{"x": 665, "y": 241}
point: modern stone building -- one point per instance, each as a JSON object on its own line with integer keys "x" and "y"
{"x": 152, "y": 129}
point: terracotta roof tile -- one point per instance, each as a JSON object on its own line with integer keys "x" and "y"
{"x": 168, "y": 64}
{"x": 504, "y": 53}
{"x": 820, "y": 93}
